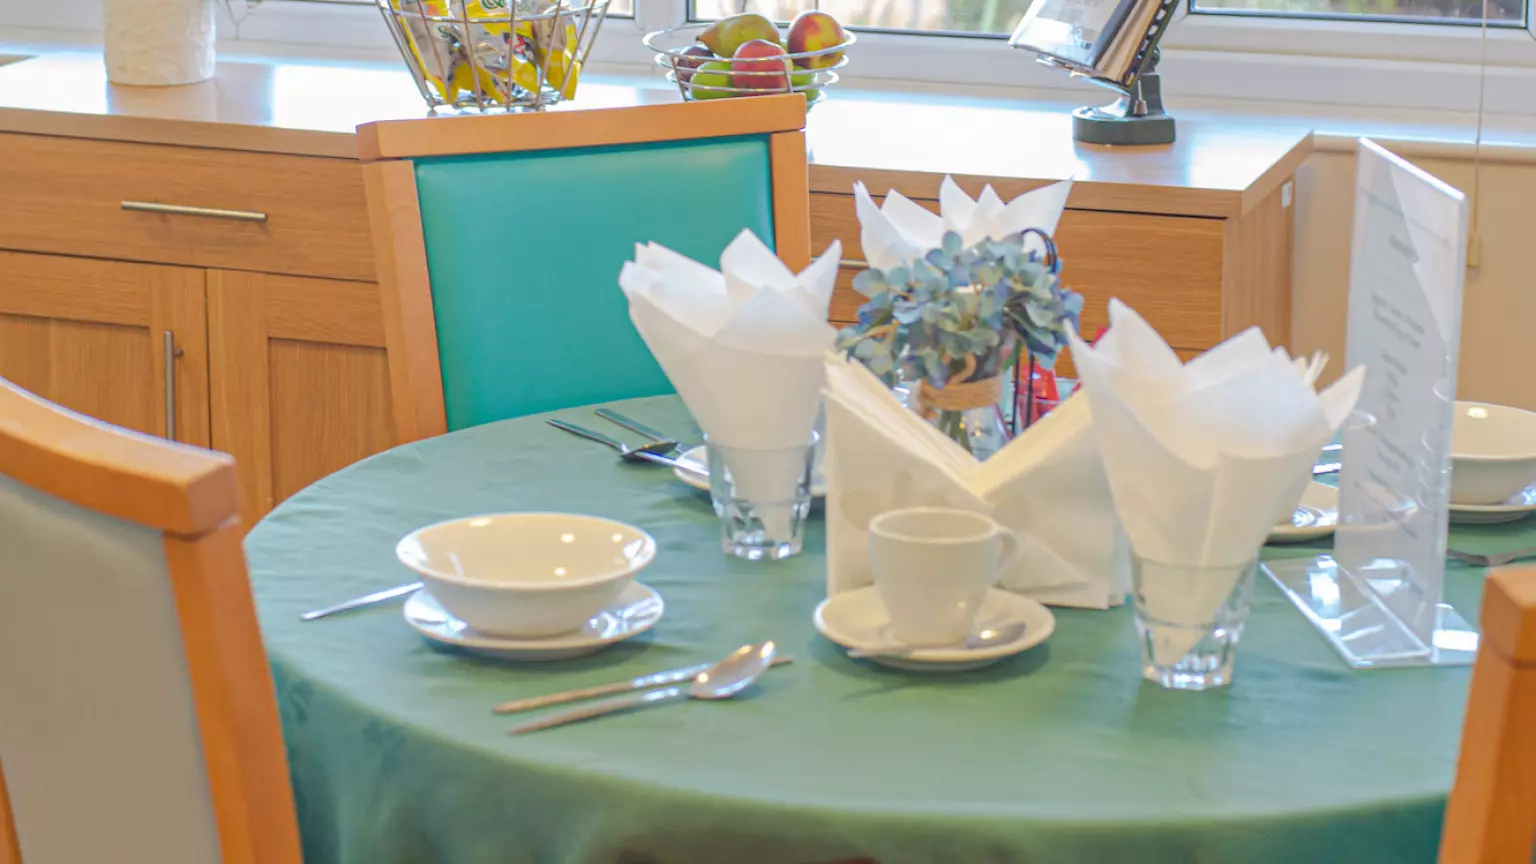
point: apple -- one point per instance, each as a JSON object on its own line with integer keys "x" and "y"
{"x": 760, "y": 65}
{"x": 710, "y": 79}
{"x": 813, "y": 30}
{"x": 691, "y": 58}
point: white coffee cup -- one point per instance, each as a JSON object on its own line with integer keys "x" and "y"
{"x": 933, "y": 566}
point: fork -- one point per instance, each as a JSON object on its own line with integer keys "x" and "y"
{"x": 1497, "y": 559}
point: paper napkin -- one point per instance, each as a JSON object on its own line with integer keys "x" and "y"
{"x": 743, "y": 346}
{"x": 1048, "y": 485}
{"x": 1203, "y": 457}
{"x": 899, "y": 230}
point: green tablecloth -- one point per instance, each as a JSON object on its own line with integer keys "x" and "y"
{"x": 1060, "y": 755}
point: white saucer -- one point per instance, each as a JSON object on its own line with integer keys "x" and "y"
{"x": 693, "y": 469}
{"x": 857, "y": 619}
{"x": 636, "y": 611}
{"x": 1513, "y": 510}
{"x": 1313, "y": 519}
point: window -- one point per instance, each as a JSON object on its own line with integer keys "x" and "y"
{"x": 1502, "y": 13}
{"x": 964, "y": 17}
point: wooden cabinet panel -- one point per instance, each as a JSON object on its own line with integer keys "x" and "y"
{"x": 90, "y": 335}
{"x": 66, "y": 195}
{"x": 1168, "y": 268}
{"x": 299, "y": 380}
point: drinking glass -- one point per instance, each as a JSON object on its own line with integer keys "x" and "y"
{"x": 1189, "y": 619}
{"x": 762, "y": 498}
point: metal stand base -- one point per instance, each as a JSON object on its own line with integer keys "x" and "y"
{"x": 1135, "y": 118}
{"x": 1358, "y": 624}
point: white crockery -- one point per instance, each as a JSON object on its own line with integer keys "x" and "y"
{"x": 857, "y": 619}
{"x": 932, "y": 567}
{"x": 1314, "y": 518}
{"x": 635, "y": 611}
{"x": 527, "y": 575}
{"x": 1493, "y": 453}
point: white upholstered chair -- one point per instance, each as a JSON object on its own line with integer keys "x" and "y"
{"x": 137, "y": 717}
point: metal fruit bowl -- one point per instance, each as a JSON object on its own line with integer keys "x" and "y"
{"x": 494, "y": 55}
{"x": 670, "y": 45}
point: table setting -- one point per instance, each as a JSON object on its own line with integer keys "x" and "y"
{"x": 829, "y": 602}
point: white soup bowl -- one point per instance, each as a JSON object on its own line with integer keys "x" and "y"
{"x": 1493, "y": 453}
{"x": 526, "y": 575}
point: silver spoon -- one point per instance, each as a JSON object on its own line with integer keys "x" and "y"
{"x": 657, "y": 438}
{"x": 649, "y": 452}
{"x": 975, "y": 641}
{"x": 721, "y": 681}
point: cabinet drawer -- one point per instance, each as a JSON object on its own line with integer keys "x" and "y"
{"x": 65, "y": 195}
{"x": 1168, "y": 268}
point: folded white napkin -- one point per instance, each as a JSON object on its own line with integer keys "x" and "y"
{"x": 899, "y": 230}
{"x": 743, "y": 346}
{"x": 1048, "y": 485}
{"x": 1203, "y": 457}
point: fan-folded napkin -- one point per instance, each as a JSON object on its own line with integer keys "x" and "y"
{"x": 899, "y": 231}
{"x": 1204, "y": 457}
{"x": 743, "y": 347}
{"x": 1048, "y": 485}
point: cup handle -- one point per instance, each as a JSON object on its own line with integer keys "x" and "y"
{"x": 1010, "y": 548}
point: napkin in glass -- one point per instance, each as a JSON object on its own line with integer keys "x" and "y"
{"x": 743, "y": 347}
{"x": 1203, "y": 457}
{"x": 899, "y": 231}
{"x": 1048, "y": 485}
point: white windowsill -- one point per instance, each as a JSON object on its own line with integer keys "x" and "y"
{"x": 1422, "y": 131}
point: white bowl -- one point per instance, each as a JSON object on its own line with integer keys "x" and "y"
{"x": 1493, "y": 453}
{"x": 526, "y": 574}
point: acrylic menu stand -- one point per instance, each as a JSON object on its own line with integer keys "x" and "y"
{"x": 1378, "y": 599}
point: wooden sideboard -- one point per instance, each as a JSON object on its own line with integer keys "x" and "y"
{"x": 257, "y": 329}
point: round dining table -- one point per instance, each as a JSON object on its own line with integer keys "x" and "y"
{"x": 1060, "y": 754}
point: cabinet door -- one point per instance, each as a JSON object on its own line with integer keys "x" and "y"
{"x": 92, "y": 336}
{"x": 298, "y": 379}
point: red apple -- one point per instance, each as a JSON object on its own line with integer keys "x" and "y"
{"x": 760, "y": 65}
{"x": 815, "y": 31}
{"x": 691, "y": 58}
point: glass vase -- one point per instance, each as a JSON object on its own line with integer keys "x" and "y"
{"x": 981, "y": 431}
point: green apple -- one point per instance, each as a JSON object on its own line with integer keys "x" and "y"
{"x": 708, "y": 77}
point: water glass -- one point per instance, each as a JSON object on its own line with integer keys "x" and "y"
{"x": 1189, "y": 620}
{"x": 762, "y": 498}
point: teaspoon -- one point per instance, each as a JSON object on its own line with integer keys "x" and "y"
{"x": 987, "y": 638}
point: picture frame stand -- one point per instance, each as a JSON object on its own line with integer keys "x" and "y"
{"x": 1136, "y": 118}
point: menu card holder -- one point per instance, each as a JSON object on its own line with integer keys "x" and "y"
{"x": 1378, "y": 599}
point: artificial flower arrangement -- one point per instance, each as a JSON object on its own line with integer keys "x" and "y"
{"x": 956, "y": 319}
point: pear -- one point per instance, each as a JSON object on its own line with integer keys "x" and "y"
{"x": 726, "y": 35}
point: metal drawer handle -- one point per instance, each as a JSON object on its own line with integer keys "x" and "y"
{"x": 171, "y": 353}
{"x": 206, "y": 212}
{"x": 853, "y": 262}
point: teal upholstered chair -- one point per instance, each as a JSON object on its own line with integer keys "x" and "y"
{"x": 138, "y": 720}
{"x": 499, "y": 241}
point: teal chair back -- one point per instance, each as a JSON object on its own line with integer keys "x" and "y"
{"x": 524, "y": 251}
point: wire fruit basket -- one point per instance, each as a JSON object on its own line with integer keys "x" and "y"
{"x": 494, "y": 55}
{"x": 700, "y": 76}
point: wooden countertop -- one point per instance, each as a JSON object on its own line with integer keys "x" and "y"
{"x": 1214, "y": 170}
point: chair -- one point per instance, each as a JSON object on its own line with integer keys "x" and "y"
{"x": 1491, "y": 815}
{"x": 138, "y": 720}
{"x": 499, "y": 241}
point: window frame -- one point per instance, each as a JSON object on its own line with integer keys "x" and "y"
{"x": 1258, "y": 64}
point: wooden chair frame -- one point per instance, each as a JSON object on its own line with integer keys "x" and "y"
{"x": 1491, "y": 815}
{"x": 388, "y": 148}
{"x": 192, "y": 497}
